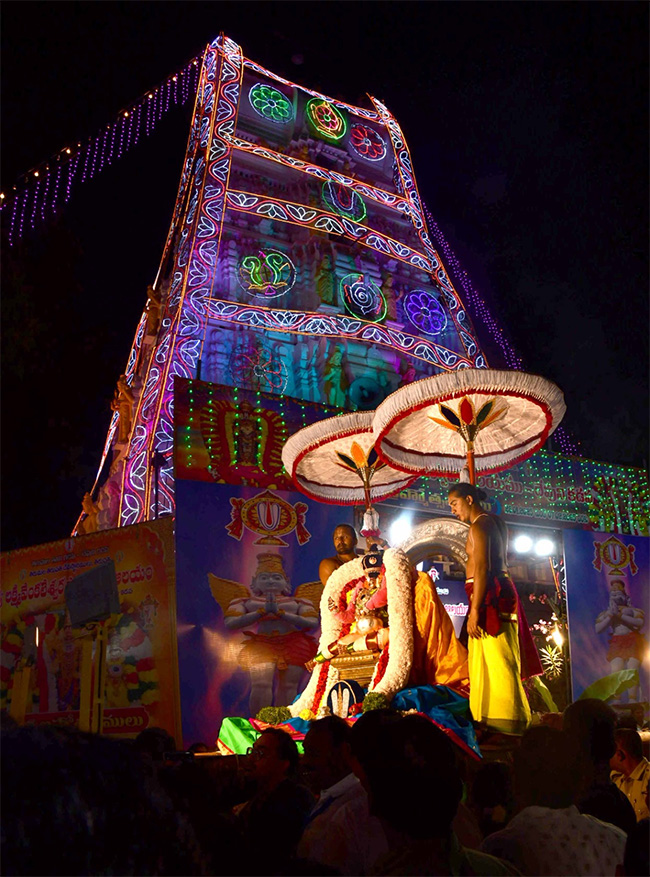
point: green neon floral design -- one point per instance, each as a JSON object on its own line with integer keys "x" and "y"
{"x": 270, "y": 103}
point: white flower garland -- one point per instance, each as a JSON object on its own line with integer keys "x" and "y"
{"x": 330, "y": 629}
{"x": 400, "y": 623}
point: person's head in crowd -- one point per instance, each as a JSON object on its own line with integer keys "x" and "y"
{"x": 200, "y": 795}
{"x": 326, "y": 758}
{"x": 272, "y": 759}
{"x": 7, "y": 722}
{"x": 590, "y": 725}
{"x": 416, "y": 788}
{"x": 636, "y": 859}
{"x": 80, "y": 804}
{"x": 629, "y": 751}
{"x": 492, "y": 796}
{"x": 153, "y": 743}
{"x": 364, "y": 736}
{"x": 199, "y": 746}
{"x": 546, "y": 773}
{"x": 627, "y": 722}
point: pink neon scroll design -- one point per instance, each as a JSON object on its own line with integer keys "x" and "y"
{"x": 275, "y": 208}
{"x": 335, "y": 325}
{"x": 195, "y": 261}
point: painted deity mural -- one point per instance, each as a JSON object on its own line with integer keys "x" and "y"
{"x": 608, "y": 591}
{"x": 248, "y": 598}
{"x": 37, "y": 636}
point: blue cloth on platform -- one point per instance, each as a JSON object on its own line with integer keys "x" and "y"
{"x": 444, "y": 706}
{"x": 298, "y": 724}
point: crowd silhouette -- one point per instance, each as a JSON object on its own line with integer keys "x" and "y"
{"x": 389, "y": 795}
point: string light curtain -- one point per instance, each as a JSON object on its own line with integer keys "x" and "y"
{"x": 41, "y": 191}
{"x": 480, "y": 311}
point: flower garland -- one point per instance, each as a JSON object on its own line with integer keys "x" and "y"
{"x": 394, "y": 665}
{"x": 338, "y": 584}
{"x": 400, "y": 623}
{"x": 380, "y": 669}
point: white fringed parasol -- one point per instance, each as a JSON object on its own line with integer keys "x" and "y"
{"x": 334, "y": 461}
{"x": 486, "y": 418}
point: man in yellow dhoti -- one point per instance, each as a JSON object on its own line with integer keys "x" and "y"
{"x": 499, "y": 641}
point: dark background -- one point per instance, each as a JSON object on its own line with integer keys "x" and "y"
{"x": 527, "y": 123}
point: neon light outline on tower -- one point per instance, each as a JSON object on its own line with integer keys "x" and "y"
{"x": 219, "y": 193}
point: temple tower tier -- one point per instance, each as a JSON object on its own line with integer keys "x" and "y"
{"x": 298, "y": 262}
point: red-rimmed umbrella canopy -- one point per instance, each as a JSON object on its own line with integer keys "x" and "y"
{"x": 491, "y": 419}
{"x": 334, "y": 461}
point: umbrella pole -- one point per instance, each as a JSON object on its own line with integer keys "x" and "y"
{"x": 366, "y": 493}
{"x": 470, "y": 462}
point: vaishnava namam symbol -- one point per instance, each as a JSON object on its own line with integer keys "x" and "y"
{"x": 269, "y": 516}
{"x": 614, "y": 554}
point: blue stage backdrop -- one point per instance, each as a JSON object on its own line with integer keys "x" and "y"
{"x": 608, "y": 592}
{"x": 247, "y": 598}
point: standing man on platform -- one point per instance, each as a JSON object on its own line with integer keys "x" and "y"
{"x": 345, "y": 544}
{"x": 497, "y": 699}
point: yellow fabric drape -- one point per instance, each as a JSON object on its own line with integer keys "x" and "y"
{"x": 438, "y": 656}
{"x": 497, "y": 698}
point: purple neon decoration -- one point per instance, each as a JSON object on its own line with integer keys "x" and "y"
{"x": 567, "y": 443}
{"x": 425, "y": 312}
{"x": 34, "y": 205}
{"x": 14, "y": 213}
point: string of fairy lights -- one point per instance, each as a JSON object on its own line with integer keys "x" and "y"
{"x": 43, "y": 189}
{"x": 547, "y": 487}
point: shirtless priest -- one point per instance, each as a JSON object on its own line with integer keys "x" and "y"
{"x": 496, "y": 629}
{"x": 345, "y": 545}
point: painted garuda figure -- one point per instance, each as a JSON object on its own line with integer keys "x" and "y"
{"x": 275, "y": 624}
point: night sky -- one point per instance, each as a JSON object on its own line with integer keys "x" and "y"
{"x": 527, "y": 124}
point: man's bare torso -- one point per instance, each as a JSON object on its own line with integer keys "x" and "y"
{"x": 496, "y": 536}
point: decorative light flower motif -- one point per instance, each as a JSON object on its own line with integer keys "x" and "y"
{"x": 325, "y": 119}
{"x": 363, "y": 463}
{"x": 268, "y": 274}
{"x": 425, "y": 312}
{"x": 468, "y": 422}
{"x": 344, "y": 201}
{"x": 367, "y": 143}
{"x": 259, "y": 370}
{"x": 270, "y": 103}
{"x": 363, "y": 298}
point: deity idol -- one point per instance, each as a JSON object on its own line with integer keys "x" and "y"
{"x": 378, "y": 608}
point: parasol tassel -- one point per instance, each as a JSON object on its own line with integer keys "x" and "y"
{"x": 370, "y": 526}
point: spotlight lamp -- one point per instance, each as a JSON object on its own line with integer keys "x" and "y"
{"x": 544, "y": 547}
{"x": 400, "y": 530}
{"x": 523, "y": 543}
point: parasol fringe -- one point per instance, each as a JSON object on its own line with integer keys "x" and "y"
{"x": 413, "y": 456}
{"x": 327, "y": 481}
